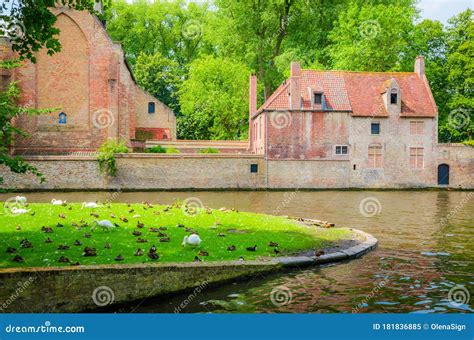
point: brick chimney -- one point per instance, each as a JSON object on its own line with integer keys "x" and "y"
{"x": 295, "y": 84}
{"x": 420, "y": 65}
{"x": 252, "y": 94}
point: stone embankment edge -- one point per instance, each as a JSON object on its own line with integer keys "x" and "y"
{"x": 71, "y": 289}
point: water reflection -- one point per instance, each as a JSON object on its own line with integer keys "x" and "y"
{"x": 420, "y": 258}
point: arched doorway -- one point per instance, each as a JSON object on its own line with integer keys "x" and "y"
{"x": 443, "y": 174}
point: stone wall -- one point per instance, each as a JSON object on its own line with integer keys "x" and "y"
{"x": 46, "y": 290}
{"x": 232, "y": 171}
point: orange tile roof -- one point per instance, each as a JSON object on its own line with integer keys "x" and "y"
{"x": 358, "y": 93}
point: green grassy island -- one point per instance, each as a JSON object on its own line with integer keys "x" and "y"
{"x": 47, "y": 235}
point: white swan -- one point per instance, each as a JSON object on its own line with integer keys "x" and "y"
{"x": 90, "y": 205}
{"x": 57, "y": 202}
{"x": 192, "y": 240}
{"x": 106, "y": 224}
{"x": 19, "y": 211}
{"x": 20, "y": 199}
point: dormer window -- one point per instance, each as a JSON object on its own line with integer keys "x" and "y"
{"x": 318, "y": 98}
{"x": 394, "y": 96}
{"x": 62, "y": 118}
{"x": 151, "y": 107}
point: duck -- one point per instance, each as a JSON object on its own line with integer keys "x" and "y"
{"x": 25, "y": 243}
{"x": 94, "y": 215}
{"x": 18, "y": 227}
{"x": 89, "y": 251}
{"x": 231, "y": 248}
{"x": 113, "y": 216}
{"x": 90, "y": 205}
{"x": 19, "y": 211}
{"x": 20, "y": 199}
{"x": 203, "y": 253}
{"x": 152, "y": 253}
{"x": 140, "y": 225}
{"x": 136, "y": 233}
{"x": 164, "y": 239}
{"x": 77, "y": 243}
{"x": 153, "y": 230}
{"x": 197, "y": 259}
{"x": 75, "y": 264}
{"x": 119, "y": 258}
{"x": 107, "y": 246}
{"x": 18, "y": 259}
{"x": 139, "y": 252}
{"x": 191, "y": 240}
{"x": 59, "y": 225}
{"x": 276, "y": 251}
{"x": 11, "y": 250}
{"x": 47, "y": 229}
{"x": 131, "y": 211}
{"x": 221, "y": 235}
{"x": 48, "y": 240}
{"x": 273, "y": 244}
{"x": 254, "y": 248}
{"x": 105, "y": 224}
{"x": 57, "y": 202}
{"x": 63, "y": 247}
{"x": 124, "y": 219}
{"x": 63, "y": 259}
{"x": 241, "y": 259}
{"x": 163, "y": 228}
{"x": 87, "y": 235}
{"x": 160, "y": 234}
{"x": 141, "y": 240}
{"x": 62, "y": 216}
{"x": 319, "y": 253}
{"x": 136, "y": 216}
{"x": 179, "y": 225}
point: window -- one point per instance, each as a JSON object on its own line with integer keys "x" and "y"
{"x": 394, "y": 96}
{"x": 416, "y": 127}
{"x": 416, "y": 158}
{"x": 253, "y": 168}
{"x": 151, "y": 107}
{"x": 318, "y": 98}
{"x": 62, "y": 118}
{"x": 375, "y": 156}
{"x": 375, "y": 128}
{"x": 342, "y": 150}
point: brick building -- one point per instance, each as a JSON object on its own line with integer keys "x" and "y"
{"x": 353, "y": 129}
{"x": 91, "y": 88}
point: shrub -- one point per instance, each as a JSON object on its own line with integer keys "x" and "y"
{"x": 156, "y": 149}
{"x": 469, "y": 142}
{"x": 106, "y": 157}
{"x": 209, "y": 150}
{"x": 172, "y": 149}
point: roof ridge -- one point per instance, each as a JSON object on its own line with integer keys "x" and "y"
{"x": 362, "y": 72}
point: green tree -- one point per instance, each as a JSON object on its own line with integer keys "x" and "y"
{"x": 174, "y": 28}
{"x": 214, "y": 100}
{"x": 10, "y": 111}
{"x": 460, "y": 63}
{"x": 369, "y": 37}
{"x": 160, "y": 77}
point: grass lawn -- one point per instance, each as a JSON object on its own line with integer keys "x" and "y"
{"x": 65, "y": 225}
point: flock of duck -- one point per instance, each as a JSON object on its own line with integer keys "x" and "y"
{"x": 192, "y": 240}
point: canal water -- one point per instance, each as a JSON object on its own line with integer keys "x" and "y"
{"x": 424, "y": 262}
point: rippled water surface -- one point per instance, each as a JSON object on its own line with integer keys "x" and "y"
{"x": 425, "y": 251}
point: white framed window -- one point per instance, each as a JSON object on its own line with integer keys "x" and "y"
{"x": 342, "y": 150}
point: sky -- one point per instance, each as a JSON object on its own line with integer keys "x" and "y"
{"x": 442, "y": 10}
